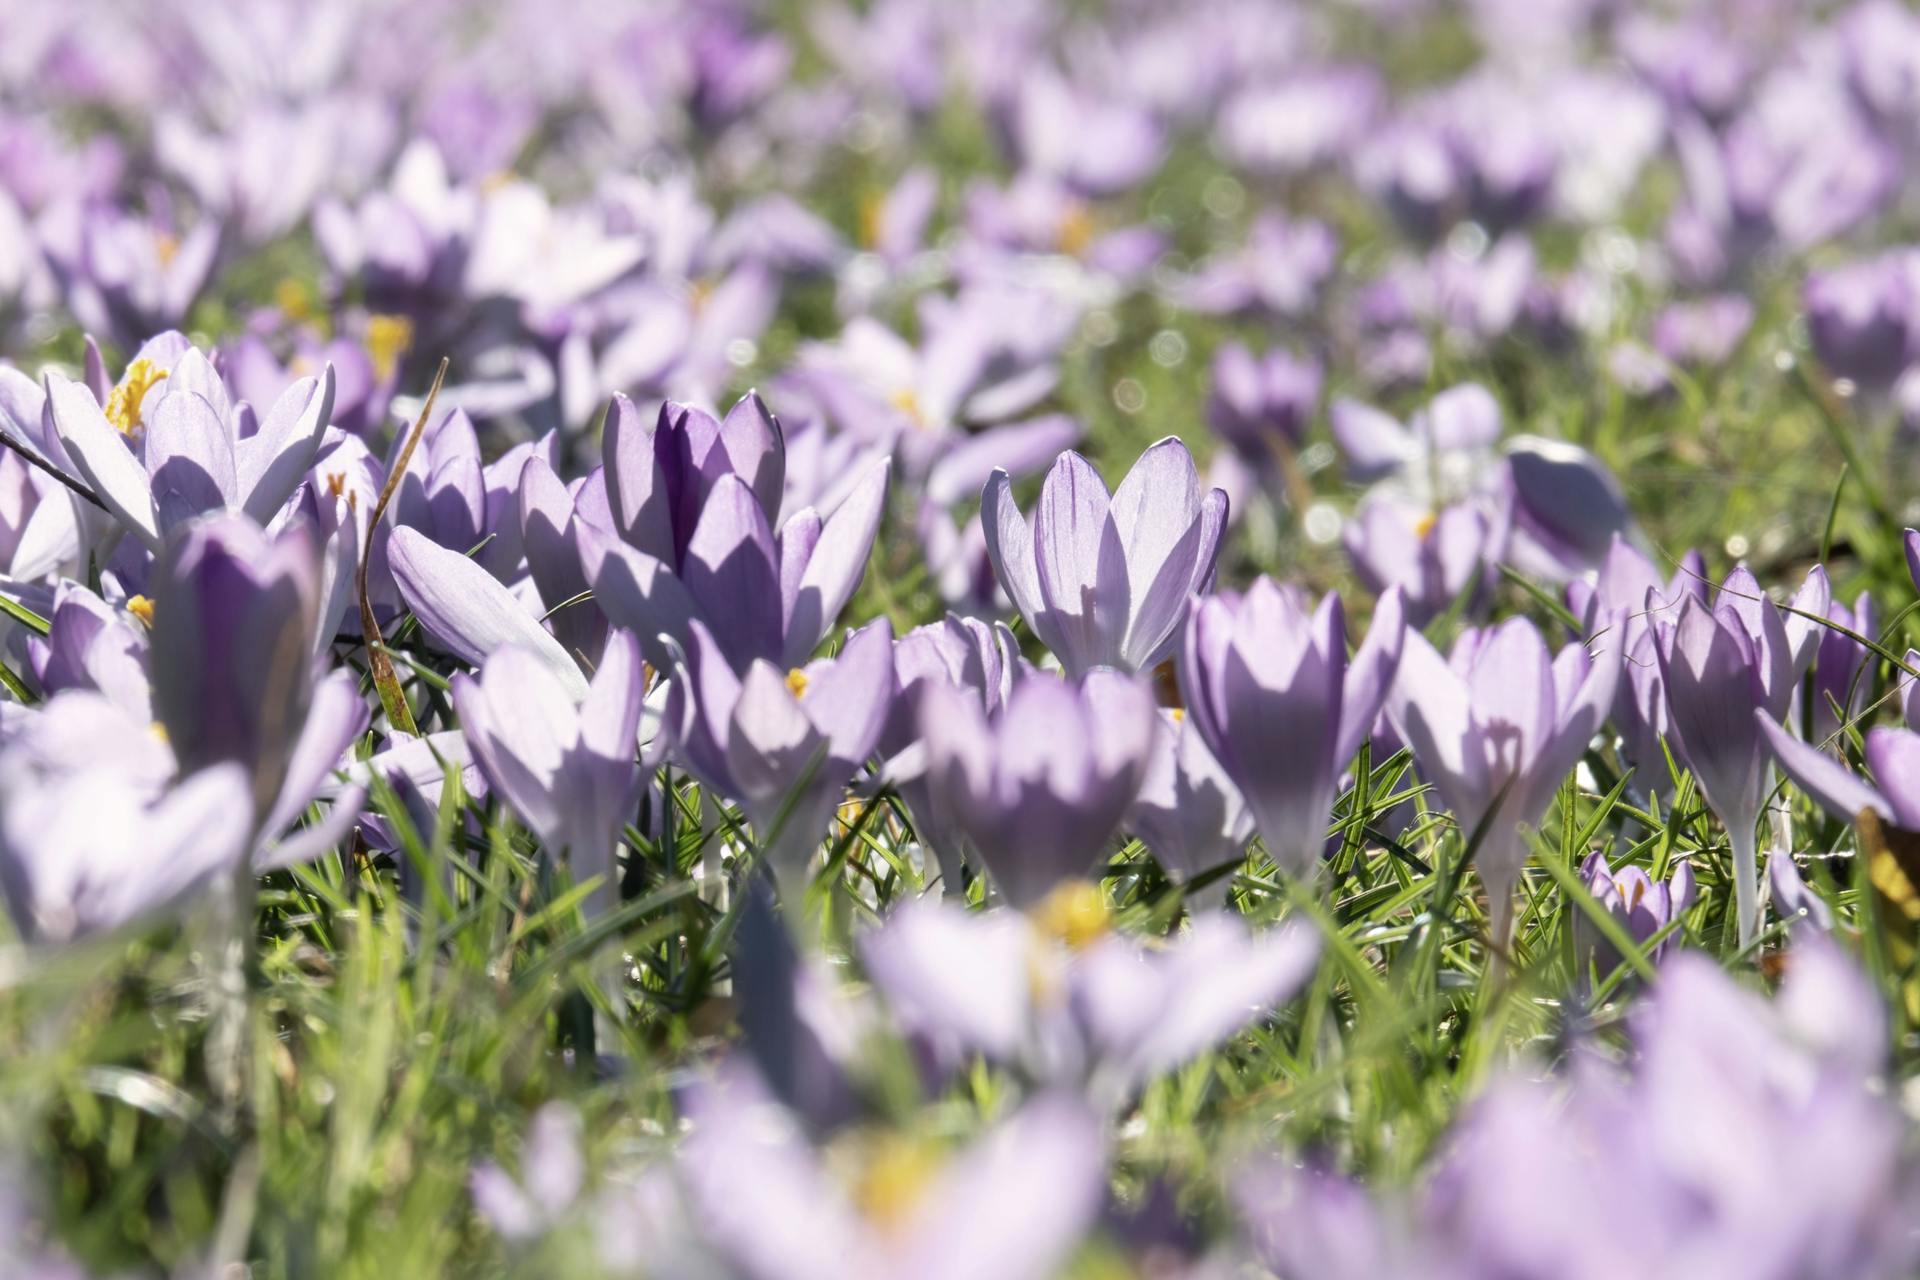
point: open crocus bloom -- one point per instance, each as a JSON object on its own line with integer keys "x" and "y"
{"x": 1103, "y": 579}
{"x": 1011, "y": 1205}
{"x": 1060, "y": 994}
{"x": 183, "y": 447}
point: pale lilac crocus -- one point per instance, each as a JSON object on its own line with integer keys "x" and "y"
{"x": 1272, "y": 692}
{"x": 781, "y": 742}
{"x": 1718, "y": 665}
{"x": 976, "y": 657}
{"x": 1496, "y": 732}
{"x": 1189, "y": 813}
{"x": 1893, "y": 755}
{"x": 1041, "y": 788}
{"x": 1103, "y": 579}
{"x": 1262, "y": 404}
{"x": 1012, "y": 1204}
{"x": 1069, "y": 1002}
{"x": 693, "y": 501}
{"x": 1642, "y": 905}
{"x": 570, "y": 770}
{"x": 190, "y": 449}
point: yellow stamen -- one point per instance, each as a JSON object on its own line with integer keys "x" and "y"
{"x": 141, "y": 608}
{"x": 697, "y": 294}
{"x": 1075, "y": 232}
{"x": 908, "y": 403}
{"x": 497, "y": 179}
{"x": 893, "y": 1177}
{"x": 872, "y": 206}
{"x": 797, "y": 681}
{"x": 1425, "y": 526}
{"x": 166, "y": 247}
{"x": 388, "y": 338}
{"x": 336, "y": 483}
{"x": 1631, "y": 891}
{"x": 1075, "y": 914}
{"x": 123, "y": 402}
{"x": 294, "y": 299}
{"x": 159, "y": 731}
{"x": 1178, "y": 713}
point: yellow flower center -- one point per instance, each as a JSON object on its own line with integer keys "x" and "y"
{"x": 497, "y": 179}
{"x": 697, "y": 294}
{"x": 142, "y": 608}
{"x": 892, "y": 1179}
{"x": 1075, "y": 914}
{"x": 797, "y": 682}
{"x": 123, "y": 402}
{"x": 1178, "y": 713}
{"x": 166, "y": 247}
{"x": 1425, "y": 525}
{"x": 908, "y": 403}
{"x": 872, "y": 205}
{"x": 1076, "y": 231}
{"x": 1631, "y": 891}
{"x": 388, "y": 338}
{"x": 294, "y": 299}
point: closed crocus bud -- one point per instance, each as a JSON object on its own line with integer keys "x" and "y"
{"x": 1259, "y": 402}
{"x": 1861, "y": 318}
{"x": 659, "y": 478}
{"x": 1496, "y": 731}
{"x": 231, "y": 653}
{"x": 1270, "y": 690}
{"x": 1040, "y": 789}
{"x": 1103, "y": 579}
{"x": 1643, "y": 906}
{"x": 1841, "y": 681}
{"x": 1719, "y": 665}
{"x": 781, "y": 742}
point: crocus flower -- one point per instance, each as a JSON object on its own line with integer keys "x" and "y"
{"x": 93, "y": 850}
{"x": 1013, "y": 1204}
{"x": 1718, "y": 665}
{"x": 1040, "y": 789}
{"x": 1071, "y": 1002}
{"x": 1259, "y": 402}
{"x": 1642, "y": 905}
{"x": 1271, "y": 692}
{"x": 1862, "y": 319}
{"x": 194, "y": 452}
{"x": 569, "y": 770}
{"x": 1496, "y": 731}
{"x": 1842, "y": 681}
{"x": 1102, "y": 579}
{"x": 1189, "y": 814}
{"x": 693, "y": 501}
{"x": 1279, "y": 272}
{"x": 781, "y": 741}
{"x": 1892, "y": 754}
{"x": 963, "y": 653}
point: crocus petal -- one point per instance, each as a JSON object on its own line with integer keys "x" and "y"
{"x": 101, "y": 456}
{"x": 270, "y": 463}
{"x": 1081, "y": 566}
{"x": 636, "y": 485}
{"x": 1894, "y": 757}
{"x": 838, "y": 562}
{"x": 732, "y": 573}
{"x": 466, "y": 609}
{"x": 1370, "y": 675}
{"x": 1010, "y": 548}
{"x": 640, "y": 593}
{"x": 1827, "y": 782}
{"x": 189, "y": 458}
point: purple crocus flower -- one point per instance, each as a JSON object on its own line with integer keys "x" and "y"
{"x": 1892, "y": 754}
{"x": 1262, "y": 402}
{"x": 1040, "y": 789}
{"x": 570, "y": 771}
{"x": 781, "y": 741}
{"x": 1862, "y": 319}
{"x": 693, "y": 502}
{"x": 1070, "y": 1002}
{"x": 1496, "y": 731}
{"x": 1626, "y": 581}
{"x": 1842, "y": 680}
{"x": 1013, "y": 1204}
{"x": 961, "y": 653}
{"x": 1189, "y": 814}
{"x": 1271, "y": 692}
{"x": 1703, "y": 333}
{"x": 156, "y": 461}
{"x": 93, "y": 850}
{"x": 1102, "y": 579}
{"x": 1279, "y": 272}
{"x": 1643, "y": 906}
{"x": 1718, "y": 665}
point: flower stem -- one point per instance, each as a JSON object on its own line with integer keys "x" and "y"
{"x": 1746, "y": 880}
